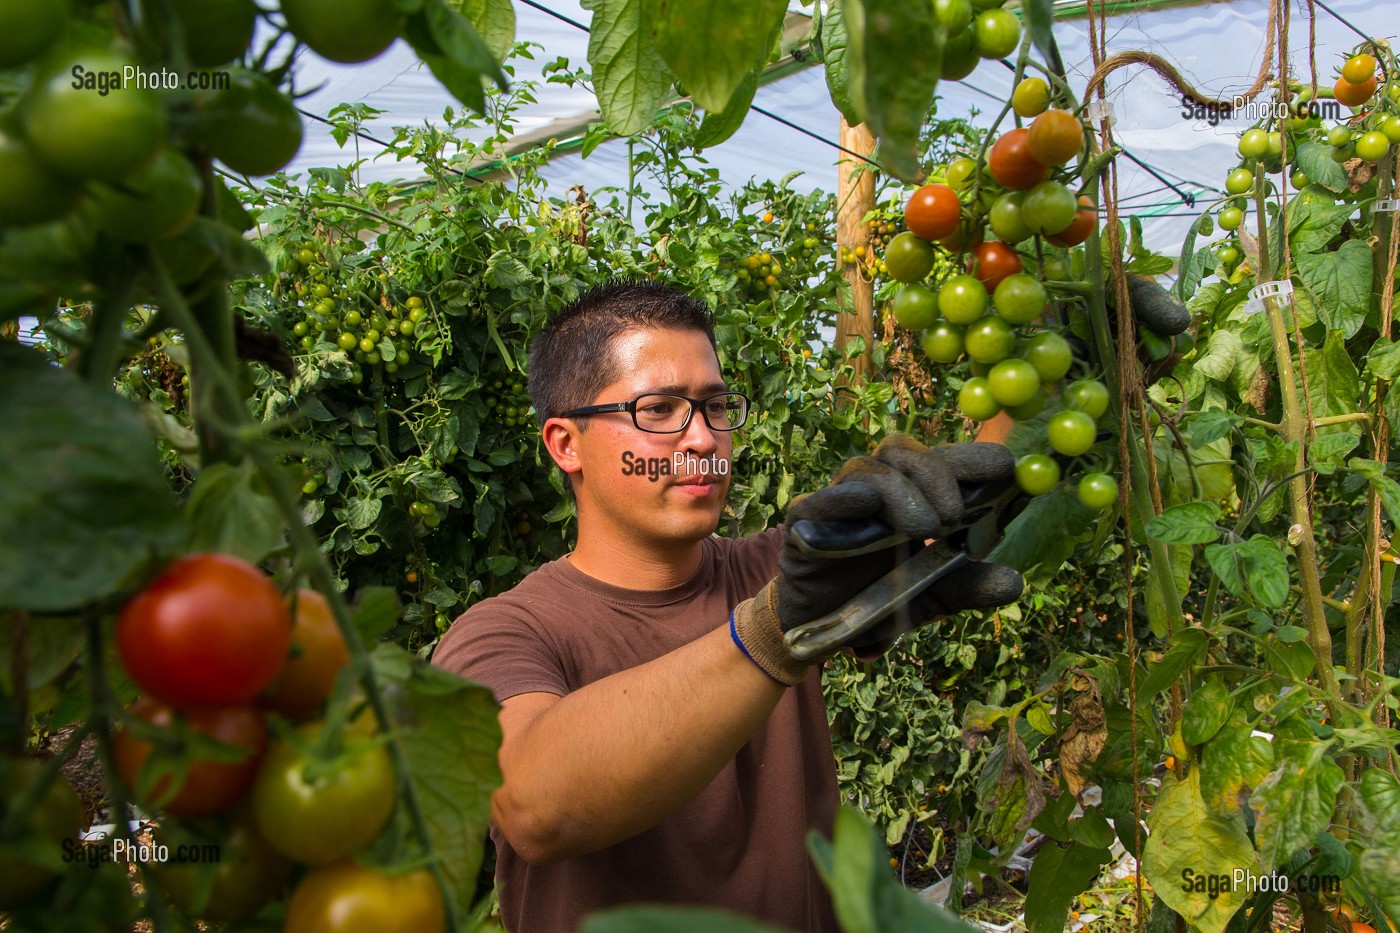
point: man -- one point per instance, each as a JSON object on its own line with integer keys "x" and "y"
{"x": 659, "y": 743}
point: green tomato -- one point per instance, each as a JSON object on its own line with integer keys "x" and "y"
{"x": 1049, "y": 208}
{"x": 1299, "y": 180}
{"x": 963, "y": 299}
{"x": 1037, "y": 474}
{"x": 954, "y": 15}
{"x": 156, "y": 202}
{"x": 1005, "y": 218}
{"x": 1019, "y": 298}
{"x": 1391, "y": 128}
{"x": 1098, "y": 491}
{"x": 1254, "y": 144}
{"x": 1239, "y": 181}
{"x": 1029, "y": 409}
{"x": 976, "y": 401}
{"x": 29, "y": 192}
{"x": 989, "y": 339}
{"x": 943, "y": 342}
{"x": 347, "y": 341}
{"x": 961, "y": 171}
{"x": 1372, "y": 146}
{"x": 1050, "y": 354}
{"x": 1338, "y": 136}
{"x": 1013, "y": 382}
{"x": 908, "y": 258}
{"x": 1231, "y": 218}
{"x": 1070, "y": 432}
{"x": 960, "y": 56}
{"x": 1087, "y": 395}
{"x": 996, "y": 33}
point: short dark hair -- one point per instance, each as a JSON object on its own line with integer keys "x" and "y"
{"x": 572, "y": 359}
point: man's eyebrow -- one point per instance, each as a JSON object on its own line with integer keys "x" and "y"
{"x": 707, "y": 389}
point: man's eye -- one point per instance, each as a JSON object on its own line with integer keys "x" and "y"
{"x": 659, "y": 408}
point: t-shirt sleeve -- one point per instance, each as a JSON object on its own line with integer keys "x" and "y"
{"x": 500, "y": 647}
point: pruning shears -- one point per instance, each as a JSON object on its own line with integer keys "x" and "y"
{"x": 988, "y": 510}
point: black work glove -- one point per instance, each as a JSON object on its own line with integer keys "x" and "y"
{"x": 914, "y": 490}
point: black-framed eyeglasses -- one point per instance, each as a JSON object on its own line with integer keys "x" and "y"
{"x": 670, "y": 414}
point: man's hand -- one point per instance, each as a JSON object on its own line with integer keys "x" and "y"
{"x": 916, "y": 491}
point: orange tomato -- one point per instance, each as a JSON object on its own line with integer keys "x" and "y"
{"x": 1055, "y": 137}
{"x": 1012, "y": 164}
{"x": 992, "y": 262}
{"x": 1354, "y": 95}
{"x": 932, "y": 212}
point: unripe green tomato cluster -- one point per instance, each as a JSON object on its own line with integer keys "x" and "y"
{"x": 508, "y": 402}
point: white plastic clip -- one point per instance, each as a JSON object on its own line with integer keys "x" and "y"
{"x": 1099, "y": 110}
{"x": 1257, "y": 295}
{"x": 1386, "y": 205}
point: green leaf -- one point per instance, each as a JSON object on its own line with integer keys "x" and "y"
{"x": 657, "y": 919}
{"x": 902, "y": 56}
{"x": 1206, "y": 710}
{"x": 1295, "y": 802}
{"x": 375, "y": 611}
{"x": 1190, "y": 842}
{"x": 494, "y": 21}
{"x": 84, "y": 504}
{"x": 1059, "y": 875}
{"x": 453, "y": 52}
{"x": 717, "y": 127}
{"x": 231, "y": 511}
{"x": 836, "y": 58}
{"x": 1383, "y": 360}
{"x": 1233, "y": 761}
{"x": 1314, "y": 224}
{"x": 865, "y": 894}
{"x": 629, "y": 76}
{"x": 1325, "y": 455}
{"x": 1217, "y": 359}
{"x": 1045, "y": 533}
{"x": 1315, "y": 159}
{"x": 1208, "y": 426}
{"x": 1257, "y": 565}
{"x": 1385, "y": 487}
{"x": 1333, "y": 381}
{"x": 713, "y": 45}
{"x": 1093, "y": 829}
{"x": 1188, "y": 523}
{"x": 1341, "y": 284}
{"x": 1187, "y": 647}
{"x": 449, "y": 733}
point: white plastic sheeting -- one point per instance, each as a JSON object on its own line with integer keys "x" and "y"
{"x": 1217, "y": 46}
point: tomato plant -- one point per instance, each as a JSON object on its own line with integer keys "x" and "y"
{"x": 210, "y": 630}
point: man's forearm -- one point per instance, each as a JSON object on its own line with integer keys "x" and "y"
{"x": 618, "y": 756}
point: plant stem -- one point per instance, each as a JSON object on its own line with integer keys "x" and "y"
{"x": 1294, "y": 429}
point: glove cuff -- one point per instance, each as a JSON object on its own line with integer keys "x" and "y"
{"x": 756, "y": 629}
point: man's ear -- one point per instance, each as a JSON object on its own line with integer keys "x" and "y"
{"x": 561, "y": 439}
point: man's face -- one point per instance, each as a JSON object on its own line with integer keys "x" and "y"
{"x": 634, "y": 477}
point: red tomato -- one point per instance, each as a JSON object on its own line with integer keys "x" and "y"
{"x": 210, "y": 631}
{"x": 1012, "y": 164}
{"x": 210, "y": 786}
{"x": 1084, "y": 222}
{"x": 932, "y": 212}
{"x": 992, "y": 262}
{"x": 318, "y": 654}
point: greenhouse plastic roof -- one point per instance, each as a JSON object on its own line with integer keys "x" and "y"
{"x": 1217, "y": 46}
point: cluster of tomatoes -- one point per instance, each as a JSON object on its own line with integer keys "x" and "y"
{"x": 1369, "y": 135}
{"x": 990, "y": 310}
{"x": 336, "y": 317}
{"x": 216, "y": 652}
{"x": 509, "y": 402}
{"x": 976, "y": 29}
{"x": 123, "y": 159}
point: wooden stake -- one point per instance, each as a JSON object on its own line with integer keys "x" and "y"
{"x": 855, "y": 197}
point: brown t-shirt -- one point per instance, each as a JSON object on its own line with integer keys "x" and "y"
{"x": 741, "y": 843}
